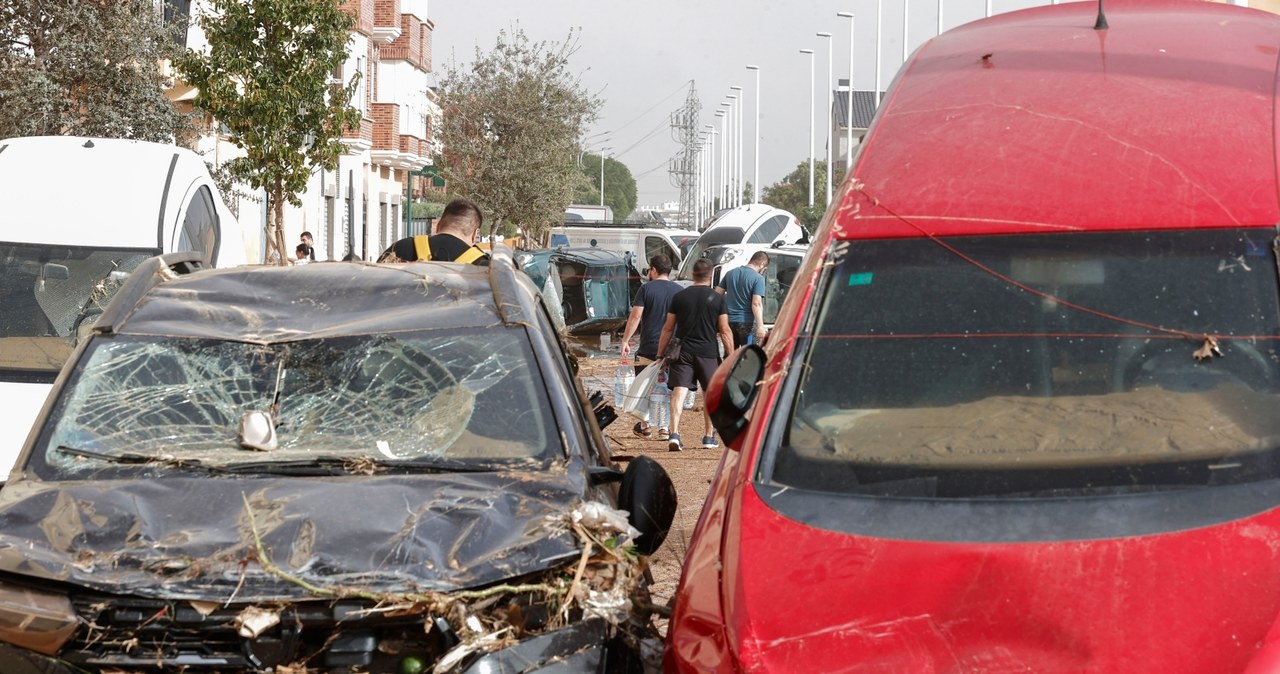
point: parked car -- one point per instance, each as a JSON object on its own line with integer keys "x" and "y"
{"x": 61, "y": 264}
{"x": 1021, "y": 412}
{"x": 588, "y": 290}
{"x": 750, "y": 224}
{"x": 333, "y": 467}
{"x": 642, "y": 243}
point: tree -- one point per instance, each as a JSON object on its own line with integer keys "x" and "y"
{"x": 266, "y": 77}
{"x": 619, "y": 185}
{"x": 87, "y": 68}
{"x": 510, "y": 130}
{"x": 792, "y": 192}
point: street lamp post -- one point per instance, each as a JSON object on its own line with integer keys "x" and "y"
{"x": 827, "y": 36}
{"x": 811, "y": 123}
{"x": 737, "y": 169}
{"x": 732, "y": 148}
{"x": 848, "y": 126}
{"x": 755, "y": 181}
{"x": 879, "y": 26}
{"x": 602, "y": 151}
{"x": 711, "y": 168}
{"x": 722, "y": 185}
{"x": 905, "y": 54}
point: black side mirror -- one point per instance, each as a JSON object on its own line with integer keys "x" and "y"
{"x": 733, "y": 390}
{"x": 649, "y": 498}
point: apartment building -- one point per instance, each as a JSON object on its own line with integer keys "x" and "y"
{"x": 361, "y": 206}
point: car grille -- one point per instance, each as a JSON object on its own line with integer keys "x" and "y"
{"x": 144, "y": 633}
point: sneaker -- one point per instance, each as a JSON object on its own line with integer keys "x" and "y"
{"x": 673, "y": 443}
{"x": 709, "y": 442}
{"x": 640, "y": 430}
{"x": 662, "y": 434}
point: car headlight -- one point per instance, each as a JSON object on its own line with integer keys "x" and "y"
{"x": 34, "y": 620}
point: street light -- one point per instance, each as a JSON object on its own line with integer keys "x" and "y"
{"x": 879, "y": 25}
{"x": 829, "y": 134}
{"x": 730, "y": 149}
{"x": 905, "y": 3}
{"x": 725, "y": 129}
{"x": 737, "y": 170}
{"x": 755, "y": 182}
{"x": 848, "y": 127}
{"x": 811, "y": 116}
{"x": 711, "y": 167}
{"x": 602, "y": 151}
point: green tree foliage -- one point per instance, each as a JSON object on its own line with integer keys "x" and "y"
{"x": 86, "y": 67}
{"x": 792, "y": 192}
{"x": 619, "y": 185}
{"x": 510, "y": 128}
{"x": 266, "y": 77}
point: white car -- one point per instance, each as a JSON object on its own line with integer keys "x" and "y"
{"x": 750, "y": 224}
{"x": 65, "y": 248}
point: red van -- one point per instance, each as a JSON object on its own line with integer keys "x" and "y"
{"x": 1021, "y": 412}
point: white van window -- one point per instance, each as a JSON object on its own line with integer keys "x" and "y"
{"x": 656, "y": 245}
{"x": 770, "y": 230}
{"x": 200, "y": 226}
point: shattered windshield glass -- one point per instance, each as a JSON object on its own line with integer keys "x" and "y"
{"x": 49, "y": 296}
{"x": 453, "y": 395}
{"x": 1064, "y": 363}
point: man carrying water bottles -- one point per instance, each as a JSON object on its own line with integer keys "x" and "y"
{"x": 648, "y": 313}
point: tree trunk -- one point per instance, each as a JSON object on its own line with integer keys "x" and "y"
{"x": 275, "y": 225}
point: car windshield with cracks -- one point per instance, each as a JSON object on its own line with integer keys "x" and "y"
{"x": 450, "y": 397}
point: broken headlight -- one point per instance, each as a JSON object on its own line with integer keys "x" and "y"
{"x": 34, "y": 620}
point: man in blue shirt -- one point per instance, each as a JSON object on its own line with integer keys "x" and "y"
{"x": 648, "y": 313}
{"x": 743, "y": 289}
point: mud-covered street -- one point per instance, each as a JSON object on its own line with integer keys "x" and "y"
{"x": 690, "y": 470}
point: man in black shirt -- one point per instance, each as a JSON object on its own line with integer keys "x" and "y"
{"x": 454, "y": 240}
{"x": 697, "y": 317}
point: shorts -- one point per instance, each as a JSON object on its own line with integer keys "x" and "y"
{"x": 690, "y": 368}
{"x": 741, "y": 331}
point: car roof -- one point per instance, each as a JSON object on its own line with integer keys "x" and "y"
{"x": 1035, "y": 121}
{"x": 265, "y": 304}
{"x": 114, "y": 208}
{"x": 746, "y": 215}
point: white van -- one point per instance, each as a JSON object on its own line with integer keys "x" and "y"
{"x": 588, "y": 213}
{"x": 752, "y": 224}
{"x": 76, "y": 216}
{"x": 642, "y": 242}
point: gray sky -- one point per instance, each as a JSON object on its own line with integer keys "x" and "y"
{"x": 640, "y": 57}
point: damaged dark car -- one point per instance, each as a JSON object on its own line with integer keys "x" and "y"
{"x": 336, "y": 467}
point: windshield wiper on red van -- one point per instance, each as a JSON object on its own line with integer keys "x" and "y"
{"x": 129, "y": 459}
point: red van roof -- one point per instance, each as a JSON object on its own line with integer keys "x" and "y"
{"x": 1034, "y": 121}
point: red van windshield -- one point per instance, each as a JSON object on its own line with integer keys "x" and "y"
{"x": 1076, "y": 363}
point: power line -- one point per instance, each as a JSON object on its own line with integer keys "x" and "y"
{"x": 651, "y": 108}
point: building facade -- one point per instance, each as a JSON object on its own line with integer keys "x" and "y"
{"x": 361, "y": 207}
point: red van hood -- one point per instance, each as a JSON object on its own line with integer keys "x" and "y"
{"x": 803, "y": 599}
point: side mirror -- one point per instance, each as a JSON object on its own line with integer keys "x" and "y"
{"x": 733, "y": 390}
{"x": 649, "y": 498}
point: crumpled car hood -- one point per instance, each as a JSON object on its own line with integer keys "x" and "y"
{"x": 193, "y": 538}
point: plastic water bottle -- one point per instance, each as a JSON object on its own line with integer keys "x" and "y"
{"x": 623, "y": 375}
{"x": 604, "y": 341}
{"x": 660, "y": 403}
{"x": 690, "y": 399}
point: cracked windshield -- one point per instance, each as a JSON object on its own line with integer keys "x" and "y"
{"x": 447, "y": 395}
{"x": 1003, "y": 365}
{"x": 51, "y": 295}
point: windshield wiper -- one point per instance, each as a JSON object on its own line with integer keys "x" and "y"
{"x": 333, "y": 465}
{"x": 137, "y": 459}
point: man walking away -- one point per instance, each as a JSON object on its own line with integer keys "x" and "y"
{"x": 454, "y": 240}
{"x": 649, "y": 313}
{"x": 743, "y": 289}
{"x": 697, "y": 316}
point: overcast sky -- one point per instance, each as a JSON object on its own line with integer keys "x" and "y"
{"x": 642, "y": 57}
